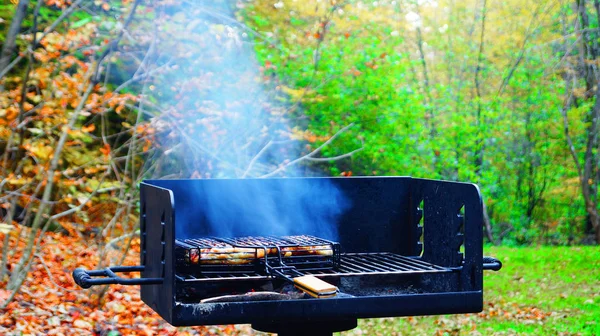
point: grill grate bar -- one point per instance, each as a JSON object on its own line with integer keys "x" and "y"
{"x": 382, "y": 265}
{"x": 404, "y": 263}
{"x": 307, "y": 240}
{"x": 257, "y": 241}
{"x": 346, "y": 269}
{"x": 418, "y": 264}
{"x": 354, "y": 267}
{"x": 205, "y": 242}
{"x": 367, "y": 267}
{"x": 399, "y": 264}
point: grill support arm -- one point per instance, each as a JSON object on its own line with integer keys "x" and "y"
{"x": 86, "y": 279}
{"x": 491, "y": 263}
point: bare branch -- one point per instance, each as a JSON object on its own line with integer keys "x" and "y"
{"x": 65, "y": 14}
{"x": 41, "y": 259}
{"x": 256, "y": 157}
{"x": 9, "y": 42}
{"x": 22, "y": 268}
{"x": 112, "y": 243}
{"x": 80, "y": 206}
{"x": 310, "y": 155}
{"x": 335, "y": 158}
{"x": 528, "y": 34}
{"x": 115, "y": 42}
{"x": 37, "y": 222}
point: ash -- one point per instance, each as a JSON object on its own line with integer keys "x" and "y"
{"x": 293, "y": 293}
{"x": 200, "y": 308}
{"x": 359, "y": 286}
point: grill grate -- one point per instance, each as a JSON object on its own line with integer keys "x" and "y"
{"x": 352, "y": 264}
{"x": 241, "y": 255}
{"x": 257, "y": 241}
{"x": 205, "y": 242}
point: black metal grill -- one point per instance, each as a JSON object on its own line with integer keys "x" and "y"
{"x": 406, "y": 247}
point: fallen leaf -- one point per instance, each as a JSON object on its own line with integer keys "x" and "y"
{"x": 4, "y": 294}
{"x": 82, "y": 324}
{"x": 5, "y": 228}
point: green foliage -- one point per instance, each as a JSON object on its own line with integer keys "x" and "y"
{"x": 406, "y": 76}
{"x": 428, "y": 92}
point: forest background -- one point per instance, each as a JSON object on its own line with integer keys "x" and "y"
{"x": 97, "y": 95}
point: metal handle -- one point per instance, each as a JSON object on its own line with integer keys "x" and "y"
{"x": 491, "y": 263}
{"x": 86, "y": 279}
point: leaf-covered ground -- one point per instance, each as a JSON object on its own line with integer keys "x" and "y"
{"x": 51, "y": 304}
{"x": 540, "y": 291}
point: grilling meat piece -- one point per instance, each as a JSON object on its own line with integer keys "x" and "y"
{"x": 224, "y": 255}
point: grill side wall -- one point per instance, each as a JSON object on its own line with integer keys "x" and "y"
{"x": 446, "y": 229}
{"x": 157, "y": 232}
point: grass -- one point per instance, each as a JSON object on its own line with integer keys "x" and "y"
{"x": 539, "y": 291}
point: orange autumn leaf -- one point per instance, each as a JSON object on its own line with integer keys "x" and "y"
{"x": 105, "y": 150}
{"x": 88, "y": 129}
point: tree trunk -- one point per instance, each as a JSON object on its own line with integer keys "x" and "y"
{"x": 430, "y": 116}
{"x": 479, "y": 142}
{"x": 591, "y": 208}
{"x": 8, "y": 48}
{"x": 488, "y": 225}
{"x": 595, "y": 219}
{"x": 586, "y": 164}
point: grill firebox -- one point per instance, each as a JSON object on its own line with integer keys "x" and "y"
{"x": 405, "y": 247}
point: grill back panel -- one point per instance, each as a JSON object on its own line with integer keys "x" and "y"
{"x": 377, "y": 218}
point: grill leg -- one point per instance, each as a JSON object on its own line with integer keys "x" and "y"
{"x": 313, "y": 328}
